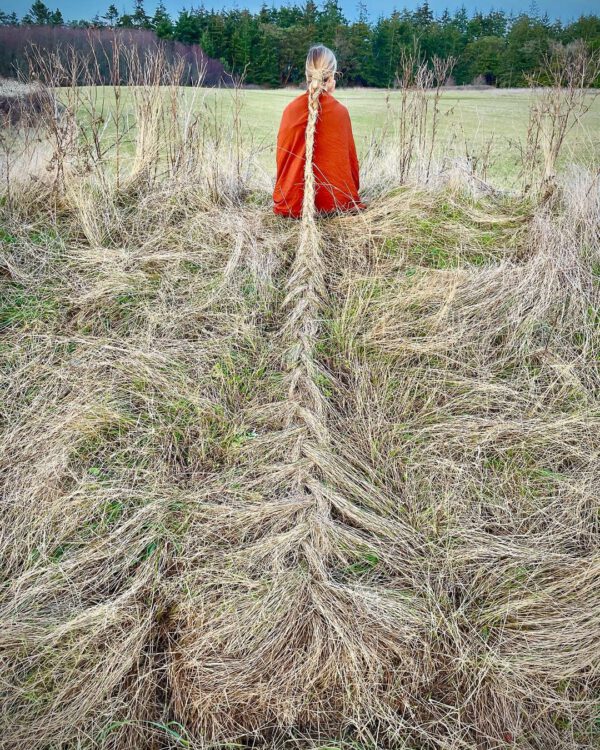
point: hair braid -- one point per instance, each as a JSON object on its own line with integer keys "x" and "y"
{"x": 305, "y": 286}
{"x": 315, "y": 87}
{"x": 321, "y": 66}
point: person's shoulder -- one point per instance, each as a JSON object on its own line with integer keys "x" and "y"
{"x": 336, "y": 105}
{"x": 298, "y": 102}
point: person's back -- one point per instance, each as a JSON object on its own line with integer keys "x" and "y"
{"x": 334, "y": 160}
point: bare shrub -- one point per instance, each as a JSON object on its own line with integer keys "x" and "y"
{"x": 30, "y": 118}
{"x": 562, "y": 95}
{"x": 421, "y": 87}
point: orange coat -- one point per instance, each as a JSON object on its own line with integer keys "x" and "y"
{"x": 335, "y": 163}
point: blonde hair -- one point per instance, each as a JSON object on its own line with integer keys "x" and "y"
{"x": 321, "y": 66}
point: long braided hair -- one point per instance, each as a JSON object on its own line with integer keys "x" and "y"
{"x": 306, "y": 288}
{"x": 321, "y": 66}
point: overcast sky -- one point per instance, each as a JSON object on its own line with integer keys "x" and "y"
{"x": 72, "y": 9}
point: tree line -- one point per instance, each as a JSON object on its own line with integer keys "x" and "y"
{"x": 269, "y": 47}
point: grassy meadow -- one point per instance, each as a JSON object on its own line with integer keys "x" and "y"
{"x": 312, "y": 484}
{"x": 486, "y": 124}
{"x": 469, "y": 120}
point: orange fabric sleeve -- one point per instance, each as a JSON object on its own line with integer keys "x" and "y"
{"x": 291, "y": 149}
{"x": 353, "y": 157}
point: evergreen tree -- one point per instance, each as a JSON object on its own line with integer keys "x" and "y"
{"x": 356, "y": 42}
{"x": 271, "y": 43}
{"x": 267, "y": 15}
{"x": 527, "y": 42}
{"x": 482, "y": 57}
{"x": 288, "y": 16}
{"x": 187, "y": 29}
{"x": 390, "y": 35}
{"x": 111, "y": 17}
{"x": 496, "y": 23}
{"x": 266, "y": 69}
{"x": 242, "y": 42}
{"x": 8, "y": 19}
{"x": 161, "y": 22}
{"x": 211, "y": 28}
{"x": 125, "y": 21}
{"x": 39, "y": 14}
{"x": 56, "y": 18}
{"x": 328, "y": 22}
{"x": 534, "y": 9}
{"x": 586, "y": 28}
{"x": 139, "y": 18}
{"x": 310, "y": 13}
{"x": 446, "y": 18}
{"x": 423, "y": 15}
{"x": 461, "y": 19}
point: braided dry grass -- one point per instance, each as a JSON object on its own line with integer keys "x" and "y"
{"x": 269, "y": 483}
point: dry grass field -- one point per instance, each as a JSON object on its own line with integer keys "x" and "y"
{"x": 280, "y": 484}
{"x": 474, "y": 124}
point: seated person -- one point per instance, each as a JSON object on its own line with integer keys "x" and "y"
{"x": 316, "y": 127}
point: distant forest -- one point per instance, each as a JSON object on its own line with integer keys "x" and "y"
{"x": 269, "y": 47}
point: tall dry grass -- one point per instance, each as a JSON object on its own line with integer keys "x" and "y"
{"x": 264, "y": 486}
{"x": 562, "y": 96}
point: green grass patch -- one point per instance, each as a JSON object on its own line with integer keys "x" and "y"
{"x": 24, "y": 309}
